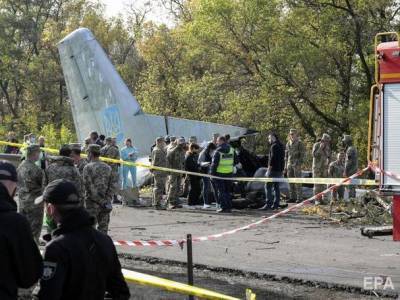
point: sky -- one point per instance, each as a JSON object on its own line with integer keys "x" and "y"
{"x": 158, "y": 14}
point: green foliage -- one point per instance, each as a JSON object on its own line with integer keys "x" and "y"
{"x": 56, "y": 138}
{"x": 263, "y": 64}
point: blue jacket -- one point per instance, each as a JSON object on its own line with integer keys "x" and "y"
{"x": 128, "y": 150}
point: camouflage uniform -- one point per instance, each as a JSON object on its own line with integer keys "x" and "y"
{"x": 61, "y": 167}
{"x": 336, "y": 169}
{"x": 175, "y": 160}
{"x": 351, "y": 163}
{"x": 159, "y": 159}
{"x": 81, "y": 165}
{"x": 320, "y": 165}
{"x": 294, "y": 157}
{"x": 30, "y": 179}
{"x": 112, "y": 151}
{"x": 99, "y": 190}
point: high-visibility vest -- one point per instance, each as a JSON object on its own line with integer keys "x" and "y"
{"x": 226, "y": 162}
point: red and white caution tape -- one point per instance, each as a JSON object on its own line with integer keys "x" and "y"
{"x": 154, "y": 243}
{"x": 378, "y": 170}
{"x": 151, "y": 243}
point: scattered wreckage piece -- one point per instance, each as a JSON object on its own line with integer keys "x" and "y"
{"x": 371, "y": 231}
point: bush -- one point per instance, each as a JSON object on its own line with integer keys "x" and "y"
{"x": 56, "y": 138}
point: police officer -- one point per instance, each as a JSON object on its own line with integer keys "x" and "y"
{"x": 20, "y": 259}
{"x": 99, "y": 188}
{"x": 30, "y": 180}
{"x": 223, "y": 161}
{"x": 80, "y": 262}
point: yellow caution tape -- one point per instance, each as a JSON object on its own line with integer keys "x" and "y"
{"x": 330, "y": 181}
{"x": 173, "y": 286}
{"x": 250, "y": 295}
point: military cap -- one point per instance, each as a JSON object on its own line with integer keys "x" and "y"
{"x": 167, "y": 139}
{"x": 172, "y": 139}
{"x": 193, "y": 139}
{"x": 32, "y": 149}
{"x": 181, "y": 140}
{"x": 326, "y": 137}
{"x": 94, "y": 148}
{"x": 60, "y": 192}
{"x": 293, "y": 130}
{"x": 75, "y": 146}
{"x": 347, "y": 138}
{"x": 159, "y": 139}
{"x": 108, "y": 139}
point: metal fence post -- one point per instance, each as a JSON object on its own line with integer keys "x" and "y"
{"x": 189, "y": 261}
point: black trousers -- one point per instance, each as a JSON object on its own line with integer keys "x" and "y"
{"x": 195, "y": 190}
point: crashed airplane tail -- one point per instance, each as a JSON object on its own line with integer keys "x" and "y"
{"x": 102, "y": 102}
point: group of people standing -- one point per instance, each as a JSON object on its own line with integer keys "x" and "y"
{"x": 97, "y": 182}
{"x": 110, "y": 149}
{"x": 75, "y": 195}
{"x": 289, "y": 160}
{"x": 217, "y": 158}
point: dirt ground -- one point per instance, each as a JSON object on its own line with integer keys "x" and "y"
{"x": 295, "y": 256}
{"x": 230, "y": 284}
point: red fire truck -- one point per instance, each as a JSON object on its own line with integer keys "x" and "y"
{"x": 384, "y": 120}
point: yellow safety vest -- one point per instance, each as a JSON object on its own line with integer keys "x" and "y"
{"x": 226, "y": 162}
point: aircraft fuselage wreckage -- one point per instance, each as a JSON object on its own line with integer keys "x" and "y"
{"x": 101, "y": 101}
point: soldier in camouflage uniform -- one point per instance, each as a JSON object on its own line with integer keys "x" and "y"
{"x": 111, "y": 150}
{"x": 99, "y": 189}
{"x": 62, "y": 167}
{"x": 336, "y": 170}
{"x": 30, "y": 179}
{"x": 159, "y": 159}
{"x": 79, "y": 161}
{"x": 294, "y": 157}
{"x": 321, "y": 157}
{"x": 173, "y": 142}
{"x": 351, "y": 163}
{"x": 175, "y": 160}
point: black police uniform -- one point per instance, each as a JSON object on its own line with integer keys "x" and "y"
{"x": 81, "y": 263}
{"x": 20, "y": 259}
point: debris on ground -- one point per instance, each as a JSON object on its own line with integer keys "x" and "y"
{"x": 370, "y": 209}
{"x": 370, "y": 231}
